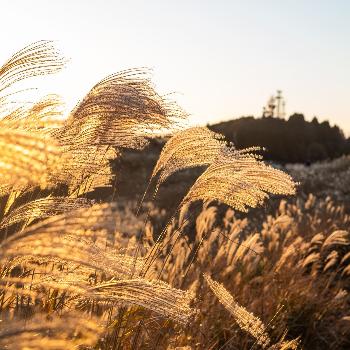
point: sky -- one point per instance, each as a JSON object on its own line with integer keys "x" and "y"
{"x": 219, "y": 59}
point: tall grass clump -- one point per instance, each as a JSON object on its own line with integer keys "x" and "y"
{"x": 76, "y": 273}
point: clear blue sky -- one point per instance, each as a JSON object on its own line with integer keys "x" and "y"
{"x": 223, "y": 58}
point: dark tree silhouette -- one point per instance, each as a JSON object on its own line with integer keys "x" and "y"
{"x": 287, "y": 141}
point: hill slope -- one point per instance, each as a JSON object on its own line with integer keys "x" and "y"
{"x": 287, "y": 141}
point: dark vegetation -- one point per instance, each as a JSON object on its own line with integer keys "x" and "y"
{"x": 287, "y": 141}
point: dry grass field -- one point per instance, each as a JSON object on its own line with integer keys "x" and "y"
{"x": 80, "y": 273}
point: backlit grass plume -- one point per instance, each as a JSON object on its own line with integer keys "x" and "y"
{"x": 39, "y": 58}
{"x": 43, "y": 116}
{"x": 70, "y": 238}
{"x": 157, "y": 296}
{"x": 121, "y": 110}
{"x": 43, "y": 208}
{"x": 246, "y": 320}
{"x": 67, "y": 249}
{"x": 240, "y": 180}
{"x": 26, "y": 158}
{"x": 85, "y": 168}
{"x": 236, "y": 177}
{"x": 193, "y": 147}
{"x": 91, "y": 222}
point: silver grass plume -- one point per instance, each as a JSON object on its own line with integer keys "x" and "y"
{"x": 43, "y": 116}
{"x": 157, "y": 296}
{"x": 37, "y": 59}
{"x": 43, "y": 248}
{"x": 43, "y": 208}
{"x": 28, "y": 154}
{"x": 153, "y": 295}
{"x": 246, "y": 320}
{"x": 240, "y": 180}
{"x": 81, "y": 222}
{"x": 338, "y": 237}
{"x": 26, "y": 158}
{"x": 85, "y": 168}
{"x": 193, "y": 147}
{"x": 71, "y": 237}
{"x": 121, "y": 110}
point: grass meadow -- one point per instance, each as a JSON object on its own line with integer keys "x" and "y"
{"x": 249, "y": 257}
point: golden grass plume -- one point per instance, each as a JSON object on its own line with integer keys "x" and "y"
{"x": 246, "y": 320}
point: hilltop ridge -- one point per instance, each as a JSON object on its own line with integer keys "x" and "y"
{"x": 294, "y": 140}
